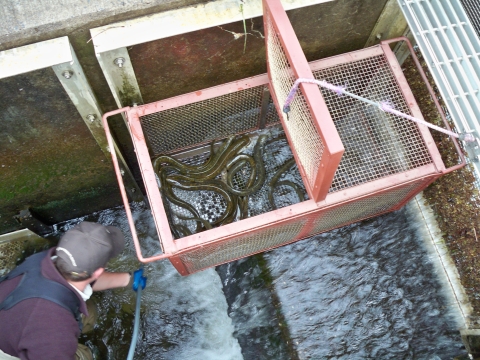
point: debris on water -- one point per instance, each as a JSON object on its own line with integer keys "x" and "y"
{"x": 454, "y": 196}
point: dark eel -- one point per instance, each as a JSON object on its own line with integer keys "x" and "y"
{"x": 186, "y": 183}
{"x": 201, "y": 177}
{"x": 212, "y": 171}
{"x": 273, "y": 181}
{"x": 184, "y": 230}
{"x": 243, "y": 206}
{"x": 235, "y": 166}
{"x": 204, "y": 222}
{"x": 211, "y": 162}
{"x": 170, "y": 195}
{"x": 275, "y": 139}
{"x": 259, "y": 170}
{"x": 209, "y": 169}
{"x": 298, "y": 191}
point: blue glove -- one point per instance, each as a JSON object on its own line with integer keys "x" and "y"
{"x": 139, "y": 279}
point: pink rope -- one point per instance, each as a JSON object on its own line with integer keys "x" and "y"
{"x": 387, "y": 108}
{"x": 384, "y": 106}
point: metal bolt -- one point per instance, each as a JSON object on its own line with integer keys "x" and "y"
{"x": 379, "y": 36}
{"x": 132, "y": 190}
{"x": 67, "y": 74}
{"x": 119, "y": 61}
{"x": 91, "y": 117}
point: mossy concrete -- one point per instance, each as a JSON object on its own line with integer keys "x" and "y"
{"x": 48, "y": 159}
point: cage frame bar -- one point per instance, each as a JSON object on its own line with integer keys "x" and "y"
{"x": 413, "y": 106}
{"x": 174, "y": 249}
{"x": 148, "y": 176}
{"x": 123, "y": 192}
{"x": 384, "y": 49}
{"x": 352, "y": 194}
{"x": 301, "y": 210}
{"x": 201, "y": 95}
{"x": 333, "y": 147}
{"x": 407, "y": 93}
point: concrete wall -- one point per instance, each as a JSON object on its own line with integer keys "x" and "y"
{"x": 49, "y": 160}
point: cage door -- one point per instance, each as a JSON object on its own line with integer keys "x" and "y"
{"x": 311, "y": 132}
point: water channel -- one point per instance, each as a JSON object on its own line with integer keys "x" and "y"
{"x": 370, "y": 290}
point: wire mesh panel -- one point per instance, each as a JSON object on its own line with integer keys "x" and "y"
{"x": 315, "y": 139}
{"x": 364, "y": 208}
{"x": 386, "y": 162}
{"x": 300, "y": 123}
{"x": 281, "y": 186}
{"x": 198, "y": 122}
{"x": 243, "y": 245}
{"x": 292, "y": 230}
{"x": 377, "y": 144}
{"x": 200, "y": 152}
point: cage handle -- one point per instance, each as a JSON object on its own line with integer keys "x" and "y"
{"x": 434, "y": 97}
{"x": 123, "y": 192}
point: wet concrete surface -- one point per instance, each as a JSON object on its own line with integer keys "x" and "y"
{"x": 48, "y": 159}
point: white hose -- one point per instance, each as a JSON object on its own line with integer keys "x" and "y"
{"x": 136, "y": 325}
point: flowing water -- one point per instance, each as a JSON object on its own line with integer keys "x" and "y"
{"x": 366, "y": 291}
{"x": 182, "y": 317}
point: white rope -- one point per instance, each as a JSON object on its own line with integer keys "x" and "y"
{"x": 384, "y": 106}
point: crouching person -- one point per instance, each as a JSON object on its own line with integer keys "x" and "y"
{"x": 43, "y": 300}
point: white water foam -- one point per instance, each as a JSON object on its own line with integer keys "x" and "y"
{"x": 181, "y": 317}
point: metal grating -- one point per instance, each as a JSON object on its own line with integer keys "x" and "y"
{"x": 244, "y": 245}
{"x": 377, "y": 144}
{"x": 472, "y": 8}
{"x": 451, "y": 49}
{"x": 199, "y": 122}
{"x": 362, "y": 209}
{"x": 307, "y": 142}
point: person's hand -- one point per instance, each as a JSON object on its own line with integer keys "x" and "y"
{"x": 138, "y": 279}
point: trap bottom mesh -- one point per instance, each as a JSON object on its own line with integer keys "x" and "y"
{"x": 282, "y": 186}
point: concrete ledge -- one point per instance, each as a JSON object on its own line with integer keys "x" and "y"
{"x": 32, "y": 21}
{"x": 440, "y": 256}
{"x": 181, "y": 21}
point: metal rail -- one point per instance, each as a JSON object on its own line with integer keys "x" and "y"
{"x": 123, "y": 192}
{"x": 435, "y": 100}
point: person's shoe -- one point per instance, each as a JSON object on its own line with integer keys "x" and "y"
{"x": 83, "y": 353}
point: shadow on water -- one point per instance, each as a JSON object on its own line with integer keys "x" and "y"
{"x": 260, "y": 327}
{"x": 365, "y": 291}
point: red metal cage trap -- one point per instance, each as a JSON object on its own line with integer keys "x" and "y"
{"x": 353, "y": 160}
